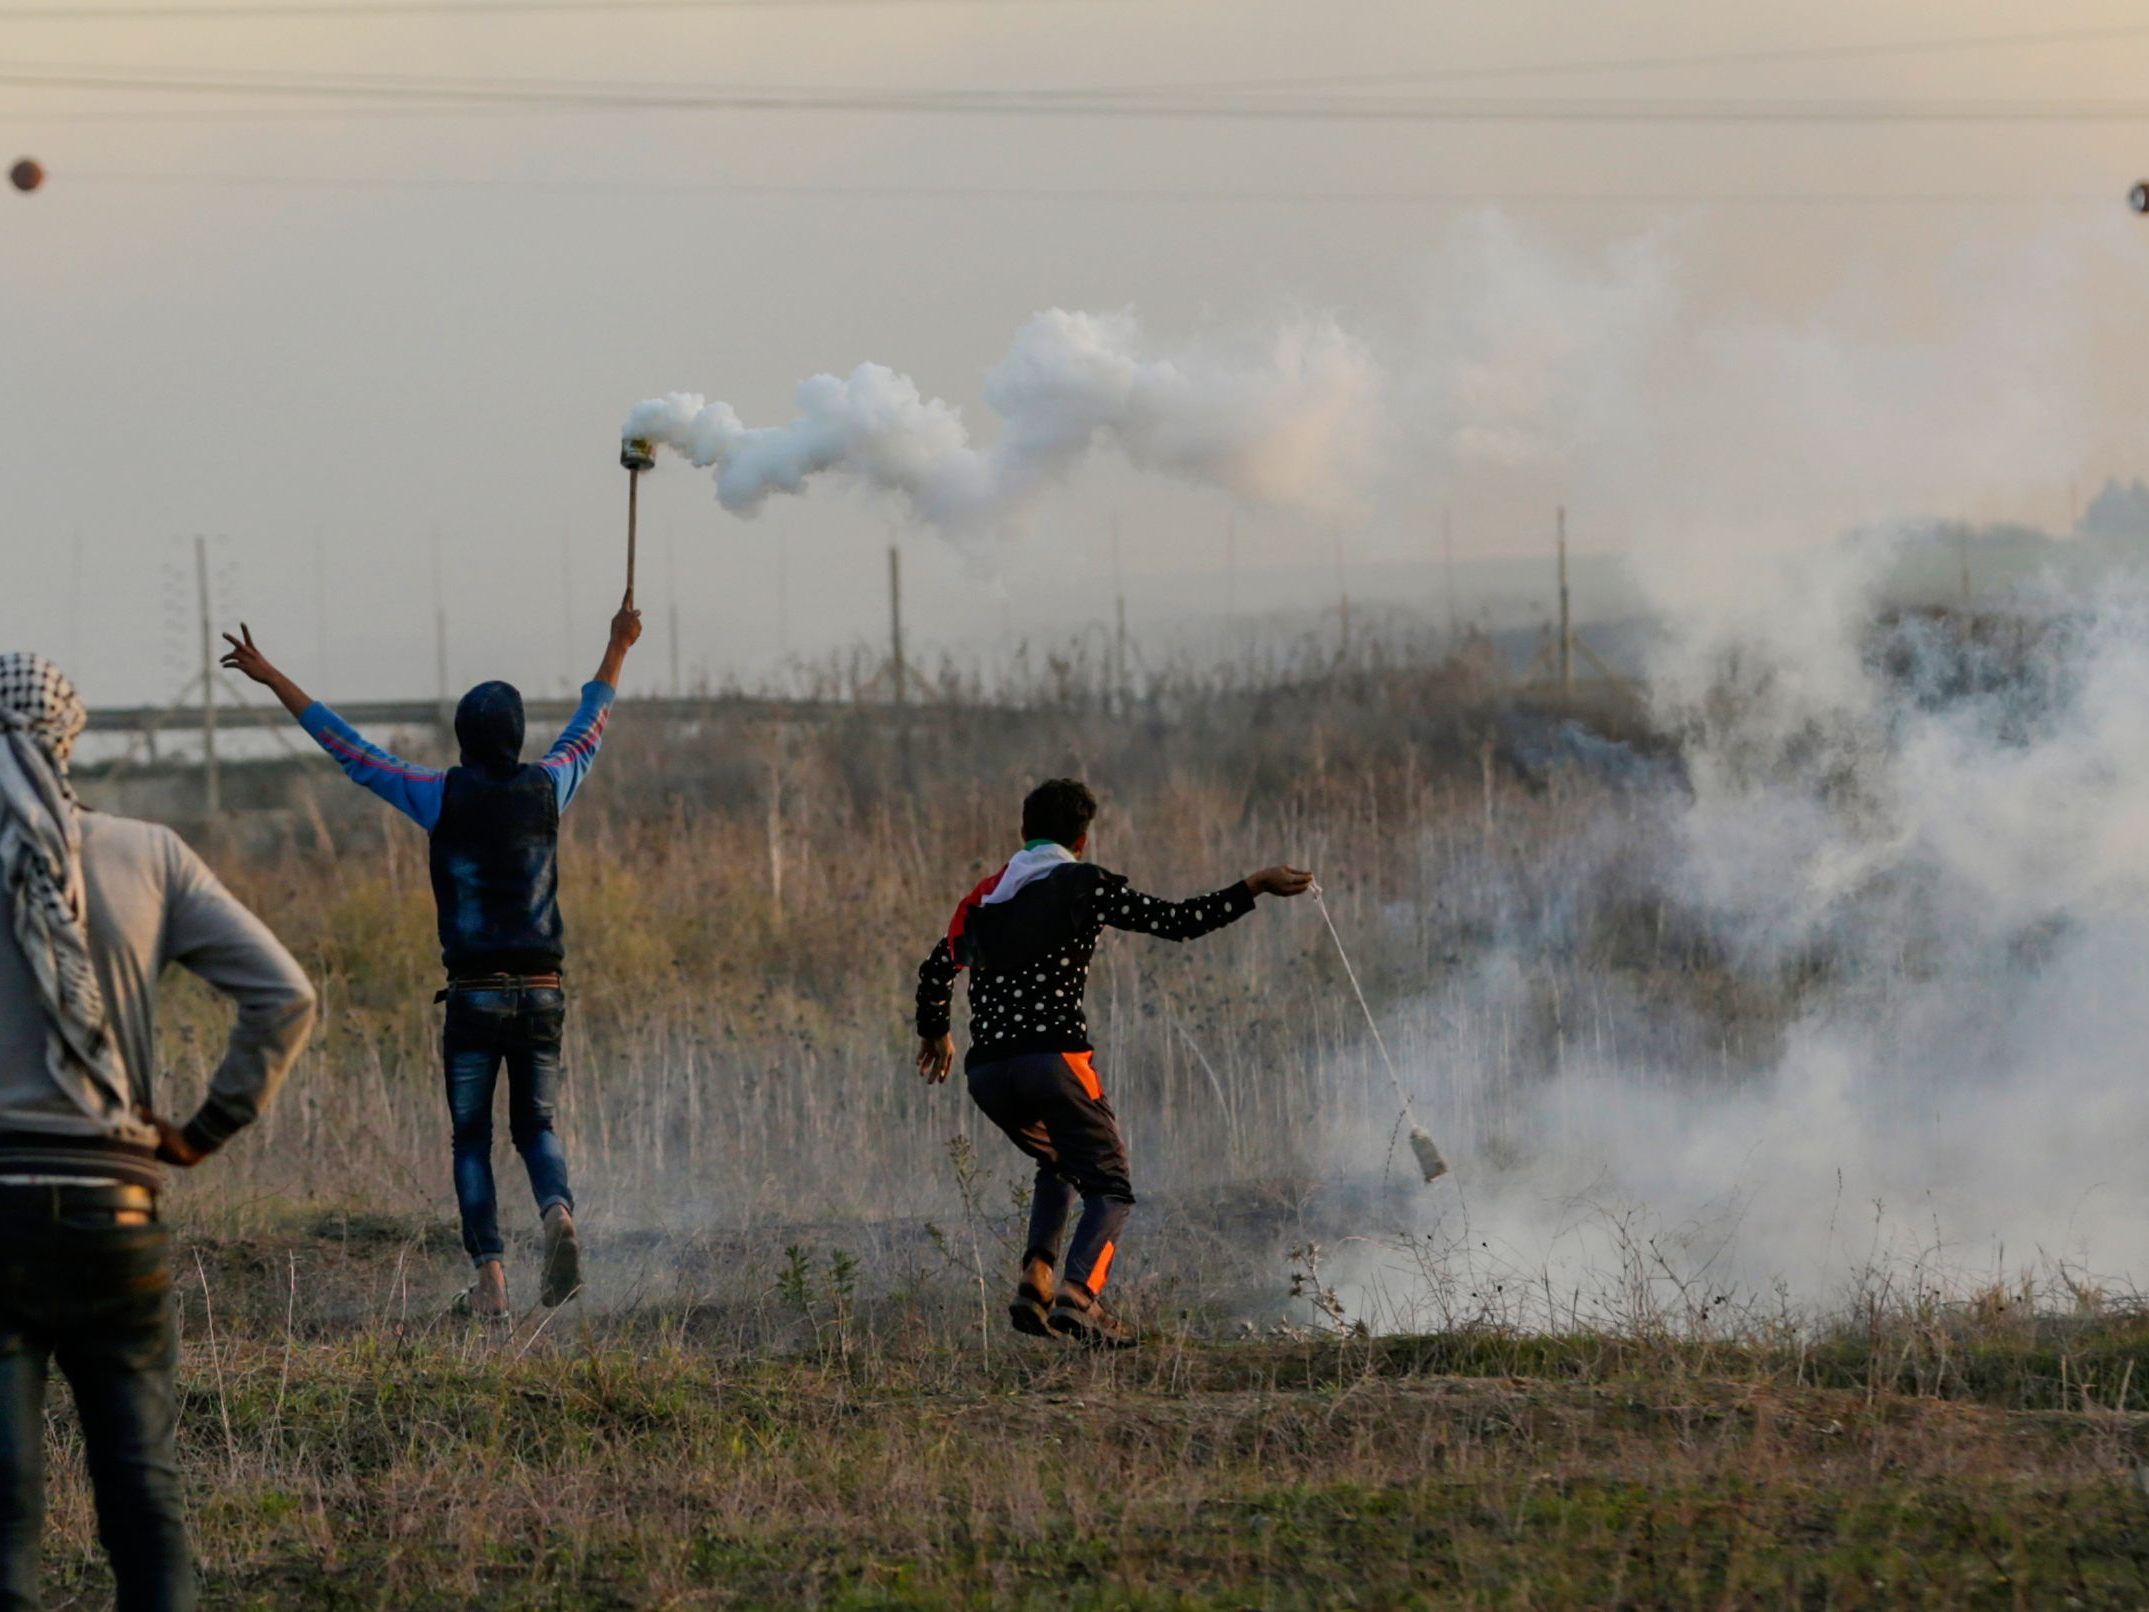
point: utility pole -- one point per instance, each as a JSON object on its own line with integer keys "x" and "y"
{"x": 1343, "y": 596}
{"x": 212, "y": 801}
{"x": 74, "y": 611}
{"x": 440, "y": 647}
{"x": 320, "y": 610}
{"x": 1119, "y": 631}
{"x": 896, "y": 666}
{"x": 671, "y": 603}
{"x": 1447, "y": 554}
{"x": 1566, "y": 643}
{"x": 1119, "y": 655}
{"x": 1231, "y": 564}
{"x": 783, "y": 596}
{"x": 567, "y": 611}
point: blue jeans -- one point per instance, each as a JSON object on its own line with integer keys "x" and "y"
{"x": 96, "y": 1298}
{"x": 482, "y": 1030}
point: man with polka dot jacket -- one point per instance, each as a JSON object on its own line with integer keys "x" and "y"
{"x": 1027, "y": 935}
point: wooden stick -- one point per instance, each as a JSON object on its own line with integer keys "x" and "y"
{"x": 634, "y": 484}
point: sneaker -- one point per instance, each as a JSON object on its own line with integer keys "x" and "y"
{"x": 563, "y": 1258}
{"x": 1031, "y": 1313}
{"x": 1081, "y": 1319}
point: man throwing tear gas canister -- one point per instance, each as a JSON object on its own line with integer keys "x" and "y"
{"x": 494, "y": 824}
{"x": 1027, "y": 935}
{"x": 96, "y": 906}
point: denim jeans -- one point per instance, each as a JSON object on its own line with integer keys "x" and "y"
{"x": 96, "y": 1298}
{"x": 482, "y": 1030}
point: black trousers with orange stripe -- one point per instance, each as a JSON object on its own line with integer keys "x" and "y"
{"x": 1051, "y": 1105}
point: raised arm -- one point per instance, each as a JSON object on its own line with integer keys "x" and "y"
{"x": 1128, "y": 908}
{"x": 208, "y": 932}
{"x": 574, "y": 752}
{"x": 412, "y": 790}
{"x": 626, "y": 633}
{"x": 244, "y": 658}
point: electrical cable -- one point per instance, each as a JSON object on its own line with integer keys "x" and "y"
{"x": 550, "y": 95}
{"x": 1075, "y": 194}
{"x": 1767, "y": 56}
{"x": 373, "y": 10}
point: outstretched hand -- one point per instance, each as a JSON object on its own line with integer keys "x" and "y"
{"x": 1281, "y": 880}
{"x": 246, "y": 659}
{"x": 935, "y": 1058}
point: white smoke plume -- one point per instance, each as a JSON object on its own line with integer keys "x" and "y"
{"x": 1893, "y": 1044}
{"x": 1890, "y": 1024}
{"x": 1298, "y": 426}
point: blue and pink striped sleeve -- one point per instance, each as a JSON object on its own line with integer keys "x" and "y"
{"x": 574, "y": 751}
{"x": 414, "y": 791}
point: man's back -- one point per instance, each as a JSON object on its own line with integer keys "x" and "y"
{"x": 494, "y": 859}
{"x": 152, "y": 901}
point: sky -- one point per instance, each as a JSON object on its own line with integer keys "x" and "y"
{"x": 378, "y": 352}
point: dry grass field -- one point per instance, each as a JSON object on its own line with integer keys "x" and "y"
{"x": 766, "y": 1436}
{"x": 790, "y": 1383}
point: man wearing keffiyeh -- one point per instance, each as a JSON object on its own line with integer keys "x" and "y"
{"x": 96, "y": 906}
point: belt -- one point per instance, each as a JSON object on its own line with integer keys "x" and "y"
{"x": 90, "y": 1158}
{"x": 126, "y": 1203}
{"x": 499, "y": 982}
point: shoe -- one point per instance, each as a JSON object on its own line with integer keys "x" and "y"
{"x": 1031, "y": 1313}
{"x": 563, "y": 1258}
{"x": 1081, "y": 1319}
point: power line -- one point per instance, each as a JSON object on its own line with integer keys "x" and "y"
{"x": 243, "y": 80}
{"x": 1042, "y": 193}
{"x": 370, "y": 10}
{"x": 1764, "y": 56}
{"x": 538, "y": 95}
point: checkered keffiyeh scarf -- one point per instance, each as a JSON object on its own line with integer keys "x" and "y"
{"x": 41, "y": 876}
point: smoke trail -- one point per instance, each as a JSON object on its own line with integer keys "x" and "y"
{"x": 1297, "y": 427}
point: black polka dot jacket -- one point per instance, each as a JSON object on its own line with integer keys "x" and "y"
{"x": 1029, "y": 957}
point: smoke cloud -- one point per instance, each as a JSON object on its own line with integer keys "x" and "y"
{"x": 1296, "y": 426}
{"x": 1895, "y": 895}
{"x": 1906, "y": 885}
{"x": 1903, "y": 881}
{"x": 1694, "y": 430}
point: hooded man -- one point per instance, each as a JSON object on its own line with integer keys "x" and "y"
{"x": 1027, "y": 935}
{"x": 96, "y": 906}
{"x": 494, "y": 822}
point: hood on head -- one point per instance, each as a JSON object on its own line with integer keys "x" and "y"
{"x": 488, "y": 725}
